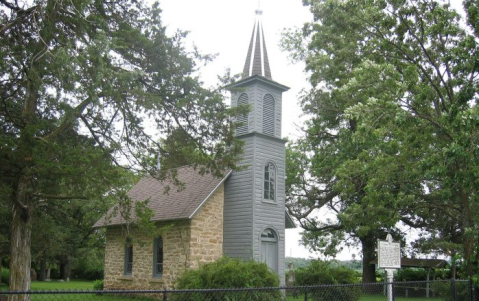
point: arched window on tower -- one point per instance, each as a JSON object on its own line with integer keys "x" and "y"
{"x": 268, "y": 114}
{"x": 241, "y": 119}
{"x": 269, "y": 182}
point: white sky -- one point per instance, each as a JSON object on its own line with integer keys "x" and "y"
{"x": 224, "y": 27}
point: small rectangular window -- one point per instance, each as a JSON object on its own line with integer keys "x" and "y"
{"x": 158, "y": 257}
{"x": 128, "y": 269}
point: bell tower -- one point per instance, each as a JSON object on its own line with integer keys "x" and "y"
{"x": 254, "y": 211}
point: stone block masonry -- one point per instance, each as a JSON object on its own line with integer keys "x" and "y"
{"x": 186, "y": 244}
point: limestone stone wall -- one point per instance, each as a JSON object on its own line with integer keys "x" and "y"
{"x": 207, "y": 231}
{"x": 186, "y": 243}
{"x": 175, "y": 253}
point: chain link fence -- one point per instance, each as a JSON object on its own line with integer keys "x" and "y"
{"x": 454, "y": 290}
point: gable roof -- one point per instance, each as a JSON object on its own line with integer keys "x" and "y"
{"x": 167, "y": 201}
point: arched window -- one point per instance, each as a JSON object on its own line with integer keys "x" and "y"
{"x": 268, "y": 235}
{"x": 269, "y": 182}
{"x": 158, "y": 257}
{"x": 242, "y": 119}
{"x": 128, "y": 268}
{"x": 268, "y": 115}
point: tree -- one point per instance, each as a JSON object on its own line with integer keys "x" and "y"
{"x": 83, "y": 86}
{"x": 393, "y": 120}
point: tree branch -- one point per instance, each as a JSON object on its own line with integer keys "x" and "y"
{"x": 69, "y": 119}
{"x": 59, "y": 197}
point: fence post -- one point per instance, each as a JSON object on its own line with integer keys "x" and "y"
{"x": 453, "y": 289}
{"x": 165, "y": 296}
{"x": 392, "y": 291}
{"x": 306, "y": 295}
{"x": 471, "y": 290}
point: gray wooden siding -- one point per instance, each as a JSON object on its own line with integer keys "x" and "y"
{"x": 268, "y": 114}
{"x": 269, "y": 215}
{"x": 246, "y": 214}
{"x": 238, "y": 208}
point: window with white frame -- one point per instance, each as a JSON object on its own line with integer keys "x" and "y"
{"x": 269, "y": 182}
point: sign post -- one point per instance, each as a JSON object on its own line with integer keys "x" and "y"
{"x": 389, "y": 258}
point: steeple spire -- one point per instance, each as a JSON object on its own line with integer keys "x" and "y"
{"x": 257, "y": 59}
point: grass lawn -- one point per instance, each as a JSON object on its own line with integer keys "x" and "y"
{"x": 57, "y": 285}
{"x": 384, "y": 298}
{"x": 73, "y": 285}
{"x": 366, "y": 297}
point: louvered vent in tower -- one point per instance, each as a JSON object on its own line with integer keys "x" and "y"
{"x": 268, "y": 115}
{"x": 242, "y": 119}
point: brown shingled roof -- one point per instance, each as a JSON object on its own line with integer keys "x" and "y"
{"x": 178, "y": 203}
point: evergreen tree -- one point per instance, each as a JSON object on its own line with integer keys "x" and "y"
{"x": 83, "y": 85}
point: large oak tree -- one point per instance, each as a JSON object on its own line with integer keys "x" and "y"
{"x": 392, "y": 134}
{"x": 83, "y": 86}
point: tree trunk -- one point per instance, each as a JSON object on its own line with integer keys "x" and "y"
{"x": 20, "y": 255}
{"x": 42, "y": 275}
{"x": 65, "y": 269}
{"x": 369, "y": 270}
{"x": 62, "y": 269}
{"x": 468, "y": 243}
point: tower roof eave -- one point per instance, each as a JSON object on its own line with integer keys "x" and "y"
{"x": 249, "y": 80}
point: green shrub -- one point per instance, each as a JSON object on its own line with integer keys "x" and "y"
{"x": 443, "y": 290}
{"x": 229, "y": 273}
{"x": 5, "y": 276}
{"x": 98, "y": 285}
{"x": 411, "y": 274}
{"x": 322, "y": 273}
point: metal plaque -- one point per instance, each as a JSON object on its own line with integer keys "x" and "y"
{"x": 389, "y": 254}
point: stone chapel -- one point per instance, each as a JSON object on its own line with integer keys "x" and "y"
{"x": 241, "y": 214}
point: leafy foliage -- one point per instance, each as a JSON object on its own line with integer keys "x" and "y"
{"x": 321, "y": 272}
{"x": 87, "y": 86}
{"x": 229, "y": 273}
{"x": 297, "y": 262}
{"x": 411, "y": 274}
{"x": 98, "y": 285}
{"x": 5, "y": 275}
{"x": 391, "y": 137}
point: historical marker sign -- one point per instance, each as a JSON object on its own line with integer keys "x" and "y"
{"x": 389, "y": 254}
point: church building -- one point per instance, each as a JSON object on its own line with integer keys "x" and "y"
{"x": 241, "y": 214}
